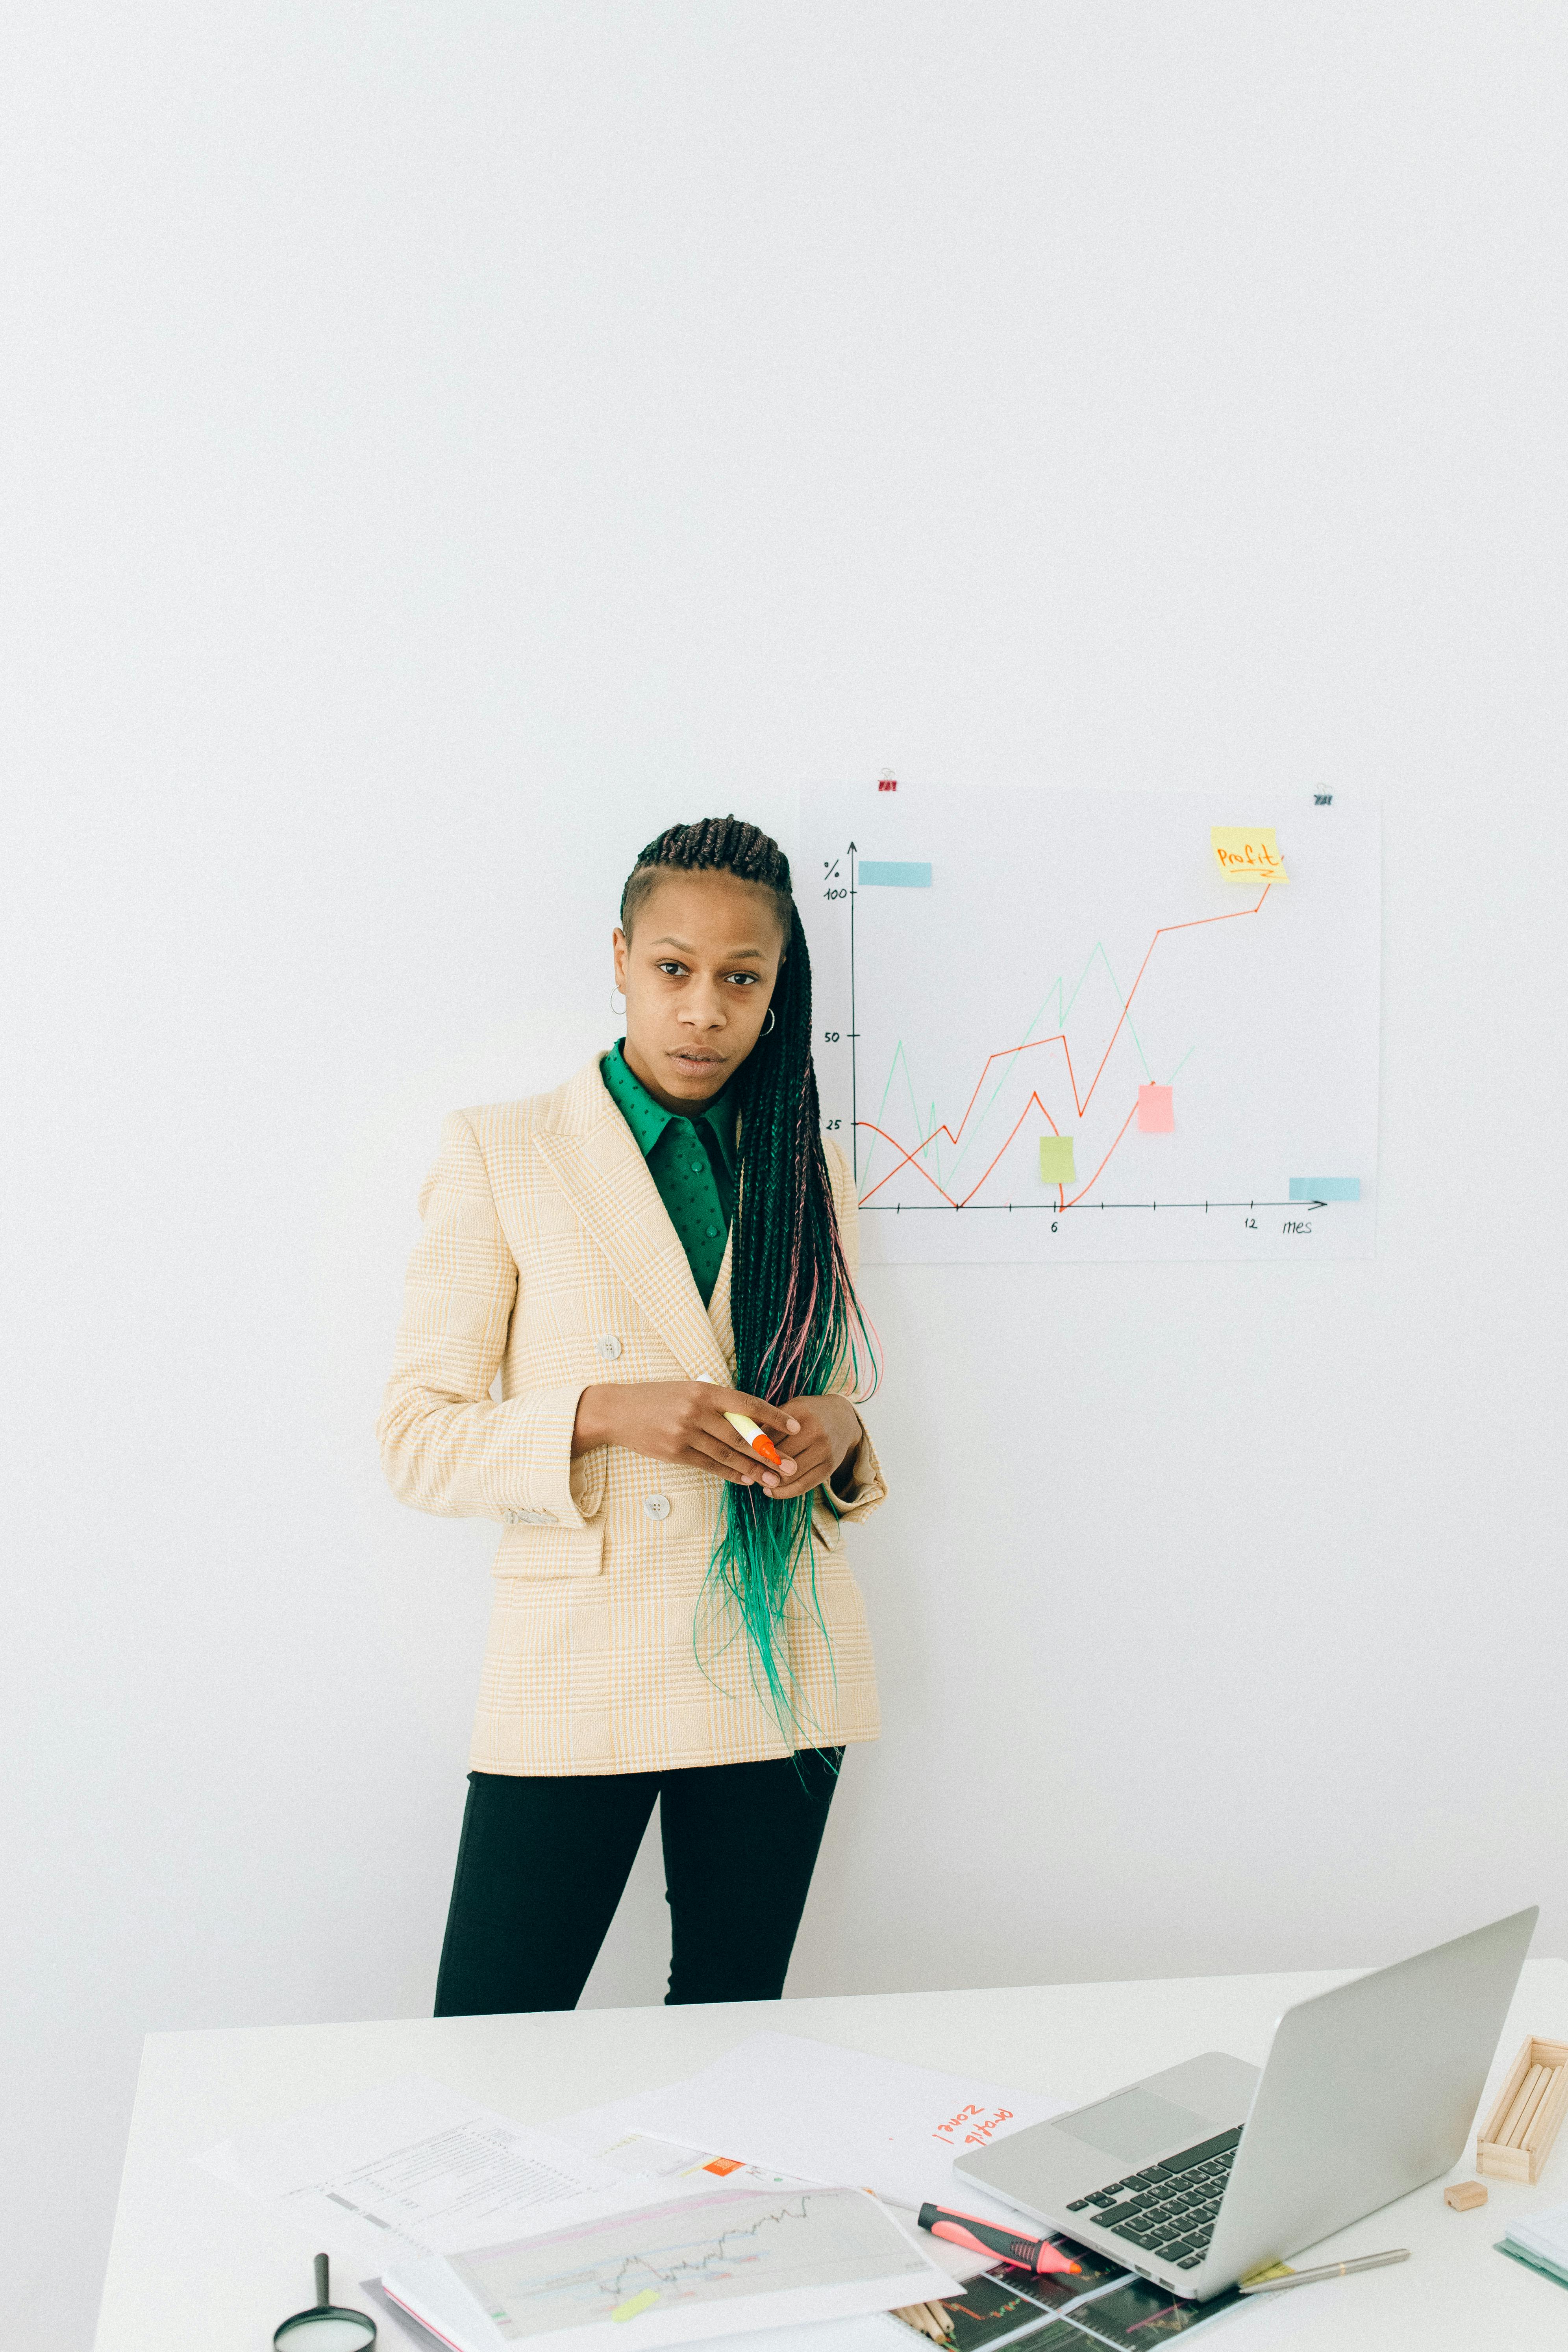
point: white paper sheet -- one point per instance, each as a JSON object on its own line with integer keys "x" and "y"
{"x": 820, "y": 2113}
{"x": 604, "y": 2132}
{"x": 676, "y": 2271}
{"x": 405, "y": 2168}
{"x": 638, "y": 2153}
{"x": 876, "y": 2332}
{"x": 1072, "y": 968}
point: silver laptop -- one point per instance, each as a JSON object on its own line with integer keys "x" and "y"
{"x": 1202, "y": 2175}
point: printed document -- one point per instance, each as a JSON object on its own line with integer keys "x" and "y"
{"x": 407, "y": 2167}
{"x": 823, "y": 2114}
{"x": 676, "y": 2271}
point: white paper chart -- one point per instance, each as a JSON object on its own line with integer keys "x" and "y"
{"x": 1051, "y": 1025}
{"x": 834, "y": 2246}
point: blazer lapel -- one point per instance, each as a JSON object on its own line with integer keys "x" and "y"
{"x": 595, "y": 1160}
{"x": 718, "y": 1313}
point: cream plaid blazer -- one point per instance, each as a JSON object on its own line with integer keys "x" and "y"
{"x": 548, "y": 1256}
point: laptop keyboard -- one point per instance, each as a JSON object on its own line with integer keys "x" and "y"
{"x": 1168, "y": 2209}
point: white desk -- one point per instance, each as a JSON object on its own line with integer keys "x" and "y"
{"x": 195, "y": 2265}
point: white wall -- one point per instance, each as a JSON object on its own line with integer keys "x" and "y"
{"x": 444, "y": 444}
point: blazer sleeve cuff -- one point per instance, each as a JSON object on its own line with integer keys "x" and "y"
{"x": 536, "y": 1478}
{"x": 868, "y": 1489}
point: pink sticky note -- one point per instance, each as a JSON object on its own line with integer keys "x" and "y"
{"x": 1156, "y": 1112}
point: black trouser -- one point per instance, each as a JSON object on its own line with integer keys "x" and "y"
{"x": 543, "y": 1863}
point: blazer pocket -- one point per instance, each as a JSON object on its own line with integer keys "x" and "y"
{"x": 825, "y": 1525}
{"x": 536, "y": 1551}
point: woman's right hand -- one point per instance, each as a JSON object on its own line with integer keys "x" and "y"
{"x": 683, "y": 1421}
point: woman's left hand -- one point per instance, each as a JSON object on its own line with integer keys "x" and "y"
{"x": 824, "y": 1432}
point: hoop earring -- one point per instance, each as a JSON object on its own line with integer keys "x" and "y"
{"x": 769, "y": 1024}
{"x": 619, "y": 1010}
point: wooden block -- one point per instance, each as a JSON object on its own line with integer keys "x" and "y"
{"x": 1520, "y": 2131}
{"x": 1491, "y": 2156}
{"x": 1508, "y": 2133}
{"x": 1549, "y": 2115}
{"x": 1517, "y": 2138}
{"x": 1462, "y": 2194}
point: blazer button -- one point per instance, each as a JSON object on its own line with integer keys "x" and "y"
{"x": 607, "y": 1345}
{"x": 656, "y": 1506}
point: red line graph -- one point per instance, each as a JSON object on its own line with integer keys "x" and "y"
{"x": 910, "y": 1158}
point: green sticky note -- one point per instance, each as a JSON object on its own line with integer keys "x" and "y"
{"x": 1055, "y": 1160}
{"x": 636, "y": 2303}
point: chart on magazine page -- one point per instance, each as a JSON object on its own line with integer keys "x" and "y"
{"x": 1098, "y": 1025}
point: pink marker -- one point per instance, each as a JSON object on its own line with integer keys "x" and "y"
{"x": 1037, "y": 2255}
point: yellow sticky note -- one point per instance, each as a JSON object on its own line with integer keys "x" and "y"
{"x": 1247, "y": 853}
{"x": 636, "y": 2303}
{"x": 1055, "y": 1160}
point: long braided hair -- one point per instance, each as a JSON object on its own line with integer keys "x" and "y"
{"x": 798, "y": 1326}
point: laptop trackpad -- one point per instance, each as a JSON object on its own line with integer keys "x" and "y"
{"x": 1135, "y": 2126}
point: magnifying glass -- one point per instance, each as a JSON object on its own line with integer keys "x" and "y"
{"x": 327, "y": 2326}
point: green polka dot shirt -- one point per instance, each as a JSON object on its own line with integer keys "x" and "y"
{"x": 691, "y": 1160}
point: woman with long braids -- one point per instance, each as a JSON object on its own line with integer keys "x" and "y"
{"x": 665, "y": 1239}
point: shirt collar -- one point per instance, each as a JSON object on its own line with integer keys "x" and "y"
{"x": 649, "y": 1119}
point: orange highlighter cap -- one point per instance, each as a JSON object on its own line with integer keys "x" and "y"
{"x": 760, "y": 1443}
